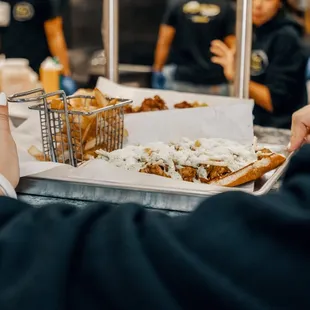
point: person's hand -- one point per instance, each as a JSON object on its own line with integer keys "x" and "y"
{"x": 68, "y": 85}
{"x": 225, "y": 57}
{"x": 9, "y": 166}
{"x": 158, "y": 80}
{"x": 300, "y": 132}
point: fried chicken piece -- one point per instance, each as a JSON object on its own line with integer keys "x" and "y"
{"x": 187, "y": 105}
{"x": 183, "y": 105}
{"x": 214, "y": 172}
{"x": 153, "y": 104}
{"x": 217, "y": 171}
{"x": 154, "y": 169}
{"x": 128, "y": 109}
{"x": 188, "y": 173}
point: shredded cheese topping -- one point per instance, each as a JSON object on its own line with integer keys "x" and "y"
{"x": 186, "y": 153}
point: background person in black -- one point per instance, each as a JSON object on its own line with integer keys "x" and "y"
{"x": 187, "y": 31}
{"x": 35, "y": 32}
{"x": 235, "y": 252}
{"x": 278, "y": 81}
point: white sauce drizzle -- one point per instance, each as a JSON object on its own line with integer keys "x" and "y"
{"x": 217, "y": 152}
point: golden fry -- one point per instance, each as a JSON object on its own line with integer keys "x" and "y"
{"x": 102, "y": 101}
{"x": 57, "y": 104}
{"x": 37, "y": 154}
{"x": 88, "y": 132}
{"x": 88, "y": 129}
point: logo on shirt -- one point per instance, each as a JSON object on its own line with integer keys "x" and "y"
{"x": 200, "y": 12}
{"x": 259, "y": 62}
{"x": 23, "y": 11}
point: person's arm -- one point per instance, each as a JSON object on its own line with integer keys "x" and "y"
{"x": 261, "y": 95}
{"x": 163, "y": 46}
{"x": 57, "y": 43}
{"x": 230, "y": 41}
{"x": 236, "y": 252}
{"x": 282, "y": 75}
{"x": 165, "y": 37}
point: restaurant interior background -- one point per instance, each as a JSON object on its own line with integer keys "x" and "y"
{"x": 82, "y": 21}
{"x": 136, "y": 47}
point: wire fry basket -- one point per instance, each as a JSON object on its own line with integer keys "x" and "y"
{"x": 73, "y": 128}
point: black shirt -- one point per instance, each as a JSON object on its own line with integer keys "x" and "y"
{"x": 25, "y": 36}
{"x": 279, "y": 62}
{"x": 196, "y": 27}
{"x": 235, "y": 252}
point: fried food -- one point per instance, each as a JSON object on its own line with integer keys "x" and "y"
{"x": 155, "y": 169}
{"x": 148, "y": 104}
{"x": 153, "y": 104}
{"x": 187, "y": 105}
{"x": 188, "y": 173}
{"x": 89, "y": 131}
{"x": 37, "y": 154}
{"x": 210, "y": 161}
{"x": 158, "y": 104}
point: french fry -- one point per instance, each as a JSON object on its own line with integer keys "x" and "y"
{"x": 88, "y": 132}
{"x": 61, "y": 137}
{"x": 102, "y": 101}
{"x": 57, "y": 104}
{"x": 85, "y": 92}
{"x": 76, "y": 103}
{"x": 113, "y": 101}
{"x": 88, "y": 129}
{"x": 90, "y": 144}
{"x": 79, "y": 120}
{"x": 37, "y": 154}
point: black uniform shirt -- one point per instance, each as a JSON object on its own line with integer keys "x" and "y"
{"x": 197, "y": 23}
{"x": 235, "y": 252}
{"x": 25, "y": 36}
{"x": 279, "y": 62}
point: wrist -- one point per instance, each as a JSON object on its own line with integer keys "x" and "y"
{"x": 67, "y": 74}
{"x": 157, "y": 68}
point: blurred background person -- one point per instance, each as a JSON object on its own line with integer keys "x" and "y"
{"x": 186, "y": 32}
{"x": 34, "y": 30}
{"x": 278, "y": 64}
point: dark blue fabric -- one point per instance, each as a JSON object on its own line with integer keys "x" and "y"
{"x": 235, "y": 252}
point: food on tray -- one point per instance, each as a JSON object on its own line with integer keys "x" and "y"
{"x": 37, "y": 154}
{"x": 187, "y": 105}
{"x": 158, "y": 104}
{"x": 211, "y": 161}
{"x": 149, "y": 104}
{"x": 86, "y": 133}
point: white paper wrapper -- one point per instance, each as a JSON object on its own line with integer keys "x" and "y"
{"x": 26, "y": 135}
{"x": 231, "y": 122}
{"x": 170, "y": 97}
{"x": 101, "y": 172}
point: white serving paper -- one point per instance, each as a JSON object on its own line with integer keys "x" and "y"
{"x": 26, "y": 135}
{"x": 232, "y": 122}
{"x": 170, "y": 97}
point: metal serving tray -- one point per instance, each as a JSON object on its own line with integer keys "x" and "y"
{"x": 56, "y": 183}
